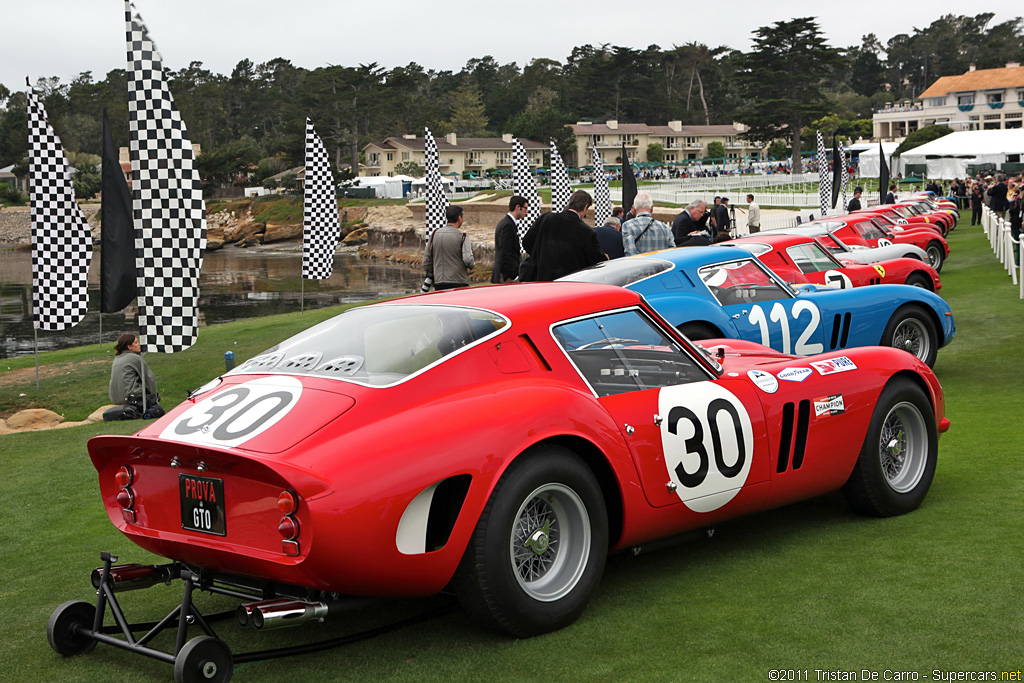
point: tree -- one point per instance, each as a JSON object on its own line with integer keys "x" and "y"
{"x": 782, "y": 81}
{"x": 87, "y": 181}
{"x": 921, "y": 136}
{"x": 410, "y": 168}
{"x": 467, "y": 115}
{"x": 777, "y": 150}
{"x": 655, "y": 153}
{"x": 867, "y": 72}
{"x": 716, "y": 150}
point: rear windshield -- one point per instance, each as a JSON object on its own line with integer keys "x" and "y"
{"x": 377, "y": 345}
{"x": 621, "y": 272}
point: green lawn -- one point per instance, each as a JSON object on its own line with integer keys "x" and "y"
{"x": 810, "y": 586}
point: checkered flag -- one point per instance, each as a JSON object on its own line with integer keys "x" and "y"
{"x": 61, "y": 239}
{"x": 845, "y": 174}
{"x": 560, "y": 187}
{"x": 437, "y": 202}
{"x": 167, "y": 200}
{"x": 824, "y": 177}
{"x": 320, "y": 227}
{"x": 602, "y": 198}
{"x": 523, "y": 185}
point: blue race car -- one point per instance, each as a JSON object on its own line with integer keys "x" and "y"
{"x": 712, "y": 292}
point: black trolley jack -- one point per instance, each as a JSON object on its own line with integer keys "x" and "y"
{"x": 76, "y": 626}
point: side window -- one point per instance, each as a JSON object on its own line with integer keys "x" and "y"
{"x": 868, "y": 231}
{"x": 810, "y": 258}
{"x": 625, "y": 351}
{"x": 741, "y": 282}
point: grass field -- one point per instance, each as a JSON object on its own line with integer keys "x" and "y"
{"x": 807, "y": 587}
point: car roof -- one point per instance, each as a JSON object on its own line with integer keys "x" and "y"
{"x": 778, "y": 239}
{"x": 522, "y": 300}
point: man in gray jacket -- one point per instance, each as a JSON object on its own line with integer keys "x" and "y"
{"x": 448, "y": 256}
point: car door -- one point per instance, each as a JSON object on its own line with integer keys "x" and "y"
{"x": 763, "y": 308}
{"x": 697, "y": 439}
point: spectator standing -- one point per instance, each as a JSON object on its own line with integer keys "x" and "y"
{"x": 977, "y": 201}
{"x": 561, "y": 243}
{"x": 854, "y": 204}
{"x": 997, "y": 193}
{"x": 506, "y": 241}
{"x": 753, "y": 215}
{"x": 610, "y": 238}
{"x": 1015, "y": 195}
{"x": 891, "y": 197}
{"x": 644, "y": 233}
{"x": 722, "y": 222}
{"x": 448, "y": 256}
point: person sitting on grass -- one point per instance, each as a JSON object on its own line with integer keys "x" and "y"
{"x": 130, "y": 379}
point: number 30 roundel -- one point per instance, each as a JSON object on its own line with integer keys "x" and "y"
{"x": 708, "y": 443}
{"x": 233, "y": 416}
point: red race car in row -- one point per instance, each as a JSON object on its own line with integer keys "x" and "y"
{"x": 913, "y": 214}
{"x": 498, "y": 441}
{"x": 876, "y": 231}
{"x": 799, "y": 259}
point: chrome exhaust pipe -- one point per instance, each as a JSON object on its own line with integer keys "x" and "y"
{"x": 281, "y": 614}
{"x": 244, "y": 612}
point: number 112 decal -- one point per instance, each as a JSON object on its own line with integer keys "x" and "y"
{"x": 780, "y": 315}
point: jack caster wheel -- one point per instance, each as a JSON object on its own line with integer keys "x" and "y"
{"x": 62, "y": 631}
{"x": 203, "y": 660}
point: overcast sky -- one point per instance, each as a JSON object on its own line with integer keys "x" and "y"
{"x": 65, "y": 37}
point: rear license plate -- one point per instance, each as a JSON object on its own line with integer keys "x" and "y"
{"x": 202, "y": 504}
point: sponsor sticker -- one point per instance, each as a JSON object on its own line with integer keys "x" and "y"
{"x": 795, "y": 374}
{"x": 765, "y": 381}
{"x": 833, "y": 365}
{"x": 826, "y": 406}
{"x": 880, "y": 270}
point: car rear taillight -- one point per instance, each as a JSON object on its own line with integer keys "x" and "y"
{"x": 125, "y": 477}
{"x": 288, "y": 527}
{"x": 287, "y": 503}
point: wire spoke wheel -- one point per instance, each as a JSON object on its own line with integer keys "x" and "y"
{"x": 550, "y": 542}
{"x": 912, "y": 336}
{"x": 902, "y": 447}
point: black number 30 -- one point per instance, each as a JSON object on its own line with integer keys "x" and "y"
{"x": 695, "y": 444}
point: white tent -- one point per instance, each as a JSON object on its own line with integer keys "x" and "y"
{"x": 949, "y": 156}
{"x": 385, "y": 187}
{"x": 869, "y": 166}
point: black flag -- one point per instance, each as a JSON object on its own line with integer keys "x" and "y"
{"x": 628, "y": 182}
{"x": 117, "y": 243}
{"x": 883, "y": 175}
{"x": 837, "y": 170}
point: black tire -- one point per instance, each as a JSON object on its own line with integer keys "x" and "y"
{"x": 913, "y": 256}
{"x": 936, "y": 255}
{"x": 897, "y": 461}
{"x": 696, "y": 331}
{"x": 526, "y": 578}
{"x": 920, "y": 280}
{"x": 911, "y": 329}
{"x": 62, "y": 629}
{"x": 203, "y": 660}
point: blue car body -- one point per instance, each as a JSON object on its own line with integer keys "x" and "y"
{"x": 738, "y": 296}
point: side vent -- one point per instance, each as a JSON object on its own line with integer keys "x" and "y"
{"x": 835, "y": 332}
{"x": 800, "y": 442}
{"x": 785, "y": 438}
{"x": 846, "y": 330}
{"x": 790, "y": 441}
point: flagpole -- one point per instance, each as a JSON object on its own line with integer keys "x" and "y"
{"x": 302, "y": 295}
{"x": 35, "y": 346}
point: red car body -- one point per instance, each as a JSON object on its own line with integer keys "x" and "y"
{"x": 909, "y": 215}
{"x": 800, "y": 259}
{"x": 872, "y": 231}
{"x": 379, "y": 475}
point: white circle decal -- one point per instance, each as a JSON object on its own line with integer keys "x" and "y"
{"x": 708, "y": 443}
{"x": 883, "y": 242}
{"x": 837, "y": 279}
{"x": 231, "y": 417}
{"x": 765, "y": 381}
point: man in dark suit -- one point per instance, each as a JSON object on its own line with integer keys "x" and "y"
{"x": 688, "y": 224}
{"x": 722, "y": 222}
{"x": 890, "y": 198}
{"x": 561, "y": 243}
{"x": 609, "y": 236}
{"x": 506, "y": 242}
{"x": 854, "y": 204}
